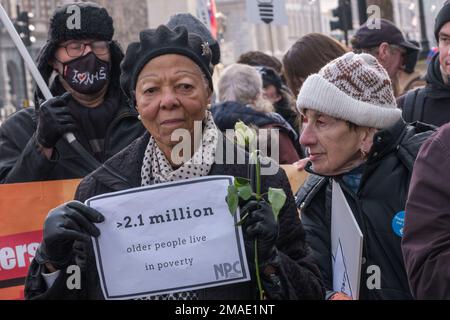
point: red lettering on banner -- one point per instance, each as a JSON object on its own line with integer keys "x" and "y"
{"x": 16, "y": 253}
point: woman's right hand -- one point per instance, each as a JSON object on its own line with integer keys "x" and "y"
{"x": 64, "y": 225}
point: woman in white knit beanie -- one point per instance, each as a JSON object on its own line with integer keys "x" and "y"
{"x": 354, "y": 134}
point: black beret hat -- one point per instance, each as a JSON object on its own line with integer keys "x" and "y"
{"x": 442, "y": 17}
{"x": 157, "y": 42}
{"x": 95, "y": 23}
{"x": 194, "y": 25}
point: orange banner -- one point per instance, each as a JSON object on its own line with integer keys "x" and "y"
{"x": 23, "y": 208}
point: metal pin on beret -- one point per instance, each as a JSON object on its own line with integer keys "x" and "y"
{"x": 194, "y": 25}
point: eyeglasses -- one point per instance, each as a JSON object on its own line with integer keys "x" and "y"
{"x": 76, "y": 49}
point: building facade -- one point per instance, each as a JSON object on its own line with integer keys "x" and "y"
{"x": 303, "y": 16}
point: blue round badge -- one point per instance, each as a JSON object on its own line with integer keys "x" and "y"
{"x": 397, "y": 223}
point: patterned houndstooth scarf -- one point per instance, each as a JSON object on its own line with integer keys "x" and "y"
{"x": 156, "y": 168}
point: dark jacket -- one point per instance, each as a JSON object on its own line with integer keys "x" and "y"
{"x": 227, "y": 114}
{"x": 430, "y": 104}
{"x": 381, "y": 195}
{"x": 300, "y": 278}
{"x": 21, "y": 161}
{"x": 285, "y": 107}
{"x": 426, "y": 242}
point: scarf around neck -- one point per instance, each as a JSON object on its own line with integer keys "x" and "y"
{"x": 157, "y": 169}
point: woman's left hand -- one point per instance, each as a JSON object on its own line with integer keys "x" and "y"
{"x": 260, "y": 224}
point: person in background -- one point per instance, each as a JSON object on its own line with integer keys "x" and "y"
{"x": 307, "y": 56}
{"x": 241, "y": 98}
{"x": 167, "y": 75}
{"x": 425, "y": 243}
{"x": 82, "y": 68}
{"x": 431, "y": 104}
{"x": 356, "y": 137}
{"x": 258, "y": 58}
{"x": 388, "y": 44}
{"x": 282, "y": 101}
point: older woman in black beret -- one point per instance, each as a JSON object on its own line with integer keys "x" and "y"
{"x": 167, "y": 76}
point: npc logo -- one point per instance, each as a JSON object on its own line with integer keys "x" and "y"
{"x": 228, "y": 270}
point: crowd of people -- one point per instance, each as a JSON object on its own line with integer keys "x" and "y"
{"x": 337, "y": 114}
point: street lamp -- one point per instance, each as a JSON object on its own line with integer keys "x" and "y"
{"x": 423, "y": 31}
{"x": 24, "y": 29}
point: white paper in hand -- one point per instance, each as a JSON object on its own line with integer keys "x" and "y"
{"x": 169, "y": 237}
{"x": 346, "y": 245}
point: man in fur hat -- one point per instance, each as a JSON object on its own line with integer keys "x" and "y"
{"x": 81, "y": 65}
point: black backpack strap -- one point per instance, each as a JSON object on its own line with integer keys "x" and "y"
{"x": 419, "y": 106}
{"x": 411, "y": 141}
{"x": 409, "y": 105}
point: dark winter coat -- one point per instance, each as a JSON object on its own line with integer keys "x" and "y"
{"x": 300, "y": 278}
{"x": 381, "y": 195}
{"x": 430, "y": 104}
{"x": 285, "y": 106}
{"x": 227, "y": 114}
{"x": 20, "y": 160}
{"x": 426, "y": 242}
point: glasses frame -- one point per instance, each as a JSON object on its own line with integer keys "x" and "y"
{"x": 84, "y": 44}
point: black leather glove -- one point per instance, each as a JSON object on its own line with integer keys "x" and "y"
{"x": 54, "y": 120}
{"x": 66, "y": 229}
{"x": 261, "y": 224}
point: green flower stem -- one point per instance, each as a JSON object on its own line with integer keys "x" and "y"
{"x": 258, "y": 278}
{"x": 258, "y": 177}
{"x": 240, "y": 222}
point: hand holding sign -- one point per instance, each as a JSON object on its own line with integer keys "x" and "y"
{"x": 70, "y": 222}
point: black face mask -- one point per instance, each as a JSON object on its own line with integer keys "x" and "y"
{"x": 86, "y": 74}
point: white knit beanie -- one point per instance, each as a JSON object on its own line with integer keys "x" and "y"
{"x": 353, "y": 87}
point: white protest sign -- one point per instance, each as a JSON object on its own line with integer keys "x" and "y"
{"x": 346, "y": 245}
{"x": 168, "y": 237}
{"x": 266, "y": 11}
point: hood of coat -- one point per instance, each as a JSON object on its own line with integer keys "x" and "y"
{"x": 226, "y": 114}
{"x": 434, "y": 79}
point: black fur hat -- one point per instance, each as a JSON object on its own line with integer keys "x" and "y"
{"x": 95, "y": 23}
{"x": 157, "y": 42}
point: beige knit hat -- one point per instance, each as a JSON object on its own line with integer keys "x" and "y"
{"x": 353, "y": 87}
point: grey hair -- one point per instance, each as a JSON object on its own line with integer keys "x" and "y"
{"x": 204, "y": 79}
{"x": 243, "y": 83}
